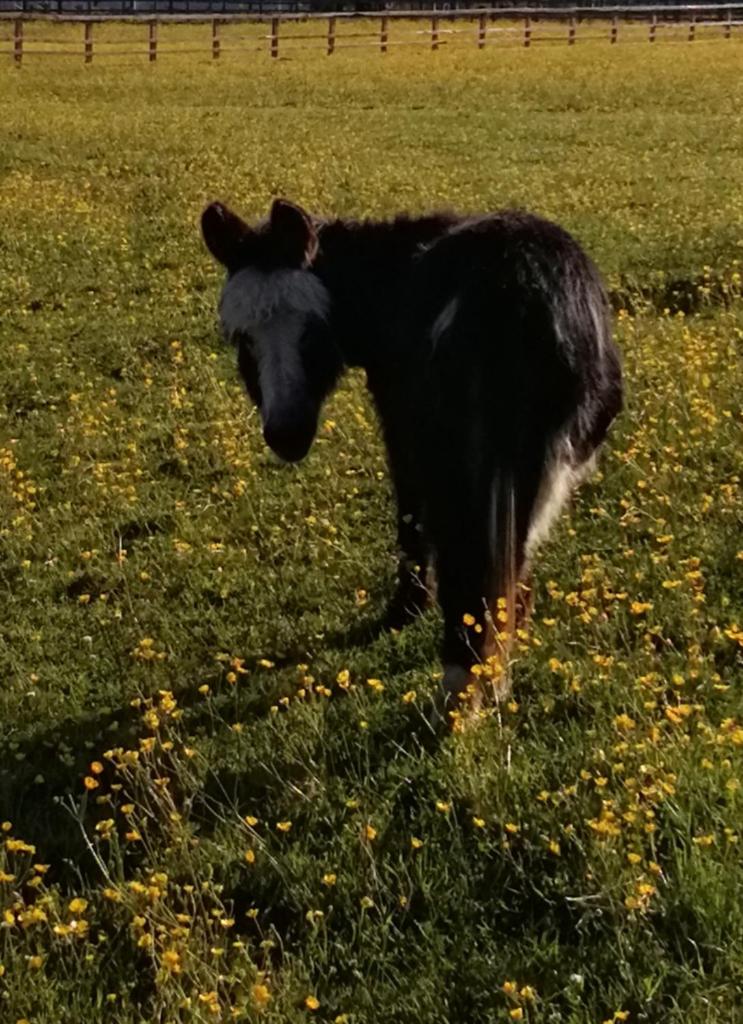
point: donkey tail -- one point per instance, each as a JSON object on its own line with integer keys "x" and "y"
{"x": 522, "y": 494}
{"x": 503, "y": 569}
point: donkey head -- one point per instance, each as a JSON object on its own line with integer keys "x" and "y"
{"x": 276, "y": 309}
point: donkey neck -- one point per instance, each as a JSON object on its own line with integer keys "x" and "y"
{"x": 366, "y": 267}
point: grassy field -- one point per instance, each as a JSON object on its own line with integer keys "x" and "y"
{"x": 217, "y": 797}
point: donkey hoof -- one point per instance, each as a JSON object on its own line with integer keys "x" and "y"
{"x": 459, "y": 699}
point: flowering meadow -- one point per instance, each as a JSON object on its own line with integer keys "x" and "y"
{"x": 219, "y": 799}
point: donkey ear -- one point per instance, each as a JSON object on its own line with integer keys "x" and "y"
{"x": 224, "y": 233}
{"x": 293, "y": 234}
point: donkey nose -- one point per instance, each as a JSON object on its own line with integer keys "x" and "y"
{"x": 289, "y": 440}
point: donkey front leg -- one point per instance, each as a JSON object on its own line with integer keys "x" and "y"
{"x": 411, "y": 596}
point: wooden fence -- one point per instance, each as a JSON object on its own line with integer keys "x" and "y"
{"x": 278, "y": 36}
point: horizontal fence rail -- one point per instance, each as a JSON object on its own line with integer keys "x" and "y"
{"x": 36, "y": 35}
{"x": 205, "y": 7}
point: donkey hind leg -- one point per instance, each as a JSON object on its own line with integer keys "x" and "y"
{"x": 484, "y": 559}
{"x": 481, "y": 559}
{"x": 532, "y": 505}
{"x": 563, "y": 474}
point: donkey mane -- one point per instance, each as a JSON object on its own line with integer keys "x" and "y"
{"x": 366, "y": 264}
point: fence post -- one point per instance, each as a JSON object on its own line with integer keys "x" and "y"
{"x": 331, "y": 35}
{"x": 88, "y": 42}
{"x": 215, "y": 39}
{"x": 383, "y": 34}
{"x": 692, "y": 27}
{"x": 613, "y": 36}
{"x": 482, "y": 30}
{"x": 653, "y": 24}
{"x": 527, "y": 31}
{"x": 571, "y": 31}
{"x": 274, "y": 37}
{"x": 152, "y": 40}
{"x": 18, "y": 41}
{"x": 728, "y": 25}
{"x": 434, "y": 32}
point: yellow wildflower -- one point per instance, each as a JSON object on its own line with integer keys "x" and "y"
{"x": 260, "y": 994}
{"x": 171, "y": 960}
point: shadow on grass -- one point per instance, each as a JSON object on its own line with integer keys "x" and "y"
{"x": 41, "y": 776}
{"x": 687, "y": 295}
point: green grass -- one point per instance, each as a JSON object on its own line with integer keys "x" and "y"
{"x": 180, "y": 611}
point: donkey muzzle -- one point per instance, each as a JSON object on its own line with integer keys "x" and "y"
{"x": 290, "y": 436}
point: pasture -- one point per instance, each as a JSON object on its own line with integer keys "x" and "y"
{"x": 218, "y": 797}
